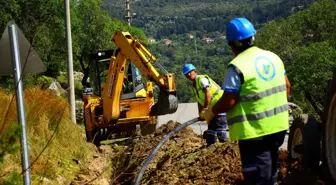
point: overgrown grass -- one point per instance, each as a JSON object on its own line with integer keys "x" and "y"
{"x": 57, "y": 147}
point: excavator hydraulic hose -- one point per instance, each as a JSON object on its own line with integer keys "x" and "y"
{"x": 158, "y": 146}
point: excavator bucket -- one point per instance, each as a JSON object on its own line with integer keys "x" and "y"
{"x": 166, "y": 104}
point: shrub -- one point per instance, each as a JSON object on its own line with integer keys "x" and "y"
{"x": 54, "y": 141}
{"x": 44, "y": 81}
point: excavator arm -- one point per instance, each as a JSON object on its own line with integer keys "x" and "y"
{"x": 132, "y": 49}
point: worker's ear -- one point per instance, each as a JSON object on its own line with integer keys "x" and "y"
{"x": 234, "y": 50}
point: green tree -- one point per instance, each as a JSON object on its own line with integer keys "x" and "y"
{"x": 42, "y": 22}
{"x": 306, "y": 44}
{"x": 94, "y": 30}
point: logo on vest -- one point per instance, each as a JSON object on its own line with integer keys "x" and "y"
{"x": 265, "y": 68}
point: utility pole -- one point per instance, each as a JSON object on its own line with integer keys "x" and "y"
{"x": 128, "y": 12}
{"x": 71, "y": 89}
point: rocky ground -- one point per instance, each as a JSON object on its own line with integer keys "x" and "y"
{"x": 182, "y": 160}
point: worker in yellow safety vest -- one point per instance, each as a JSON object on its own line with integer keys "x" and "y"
{"x": 207, "y": 93}
{"x": 256, "y": 90}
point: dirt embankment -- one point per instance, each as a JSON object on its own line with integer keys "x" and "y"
{"x": 182, "y": 160}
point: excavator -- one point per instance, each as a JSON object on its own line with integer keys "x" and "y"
{"x": 312, "y": 144}
{"x": 118, "y": 101}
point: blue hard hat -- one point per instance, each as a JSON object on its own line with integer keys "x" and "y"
{"x": 187, "y": 68}
{"x": 239, "y": 29}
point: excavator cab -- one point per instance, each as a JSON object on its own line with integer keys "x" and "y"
{"x": 135, "y": 101}
{"x": 133, "y": 85}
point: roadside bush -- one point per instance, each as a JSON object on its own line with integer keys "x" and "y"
{"x": 44, "y": 81}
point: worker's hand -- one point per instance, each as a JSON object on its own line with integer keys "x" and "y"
{"x": 208, "y": 115}
{"x": 201, "y": 115}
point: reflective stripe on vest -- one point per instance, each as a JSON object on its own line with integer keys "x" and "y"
{"x": 258, "y": 116}
{"x": 263, "y": 94}
{"x": 261, "y": 108}
{"x": 215, "y": 91}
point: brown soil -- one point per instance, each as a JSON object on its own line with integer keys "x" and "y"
{"x": 293, "y": 175}
{"x": 183, "y": 159}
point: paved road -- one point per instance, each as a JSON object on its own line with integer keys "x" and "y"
{"x": 187, "y": 111}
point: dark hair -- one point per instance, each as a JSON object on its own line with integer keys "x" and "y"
{"x": 242, "y": 45}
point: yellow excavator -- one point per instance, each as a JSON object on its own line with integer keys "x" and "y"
{"x": 124, "y": 103}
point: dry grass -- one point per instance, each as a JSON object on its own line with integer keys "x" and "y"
{"x": 48, "y": 124}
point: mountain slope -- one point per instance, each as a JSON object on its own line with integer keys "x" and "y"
{"x": 165, "y": 17}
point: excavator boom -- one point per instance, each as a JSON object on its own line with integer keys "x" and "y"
{"x": 143, "y": 60}
{"x": 131, "y": 49}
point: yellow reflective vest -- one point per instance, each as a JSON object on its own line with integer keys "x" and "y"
{"x": 216, "y": 91}
{"x": 262, "y": 106}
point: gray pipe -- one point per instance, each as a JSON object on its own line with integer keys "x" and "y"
{"x": 158, "y": 146}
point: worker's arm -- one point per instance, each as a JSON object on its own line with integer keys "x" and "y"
{"x": 205, "y": 85}
{"x": 207, "y": 98}
{"x": 227, "y": 101}
{"x": 200, "y": 107}
{"x": 231, "y": 86}
{"x": 288, "y": 86}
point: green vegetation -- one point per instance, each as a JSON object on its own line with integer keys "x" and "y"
{"x": 306, "y": 43}
{"x": 209, "y": 58}
{"x": 44, "y": 81}
{"x": 8, "y": 141}
{"x": 42, "y": 22}
{"x": 161, "y": 18}
{"x": 9, "y": 145}
{"x": 57, "y": 147}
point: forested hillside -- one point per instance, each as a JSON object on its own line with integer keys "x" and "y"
{"x": 161, "y": 18}
{"x": 305, "y": 41}
{"x": 307, "y": 44}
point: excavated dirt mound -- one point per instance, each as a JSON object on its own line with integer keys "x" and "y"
{"x": 181, "y": 160}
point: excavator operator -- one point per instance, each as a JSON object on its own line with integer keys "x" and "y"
{"x": 256, "y": 89}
